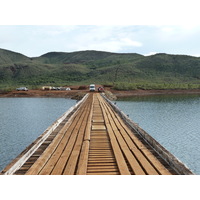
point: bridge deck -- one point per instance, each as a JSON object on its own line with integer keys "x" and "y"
{"x": 95, "y": 140}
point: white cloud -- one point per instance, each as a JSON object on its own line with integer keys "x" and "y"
{"x": 112, "y": 44}
{"x": 129, "y": 42}
{"x": 37, "y": 40}
{"x": 104, "y": 38}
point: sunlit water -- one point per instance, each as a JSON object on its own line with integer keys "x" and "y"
{"x": 174, "y": 121}
{"x": 22, "y": 120}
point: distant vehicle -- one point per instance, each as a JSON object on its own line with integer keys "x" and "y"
{"x": 22, "y": 89}
{"x": 60, "y": 88}
{"x": 56, "y": 88}
{"x": 100, "y": 89}
{"x": 47, "y": 88}
{"x": 92, "y": 87}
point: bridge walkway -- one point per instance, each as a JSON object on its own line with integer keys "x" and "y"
{"x": 95, "y": 141}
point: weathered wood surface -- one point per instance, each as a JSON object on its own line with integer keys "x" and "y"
{"x": 34, "y": 150}
{"x": 169, "y": 158}
{"x": 95, "y": 140}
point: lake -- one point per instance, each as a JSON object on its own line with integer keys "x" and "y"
{"x": 22, "y": 120}
{"x": 173, "y": 120}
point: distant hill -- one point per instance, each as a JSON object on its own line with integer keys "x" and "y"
{"x": 122, "y": 70}
{"x": 10, "y": 57}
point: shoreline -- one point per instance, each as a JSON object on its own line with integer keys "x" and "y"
{"x": 132, "y": 93}
{"x": 73, "y": 94}
{"x": 78, "y": 94}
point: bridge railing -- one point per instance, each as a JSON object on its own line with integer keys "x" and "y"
{"x": 26, "y": 154}
{"x": 174, "y": 162}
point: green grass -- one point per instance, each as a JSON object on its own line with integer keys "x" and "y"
{"x": 122, "y": 71}
{"x": 155, "y": 86}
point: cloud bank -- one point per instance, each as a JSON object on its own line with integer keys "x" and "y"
{"x": 34, "y": 40}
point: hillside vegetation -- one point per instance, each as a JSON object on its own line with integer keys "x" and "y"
{"x": 122, "y": 71}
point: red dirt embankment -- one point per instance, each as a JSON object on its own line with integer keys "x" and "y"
{"x": 44, "y": 93}
{"x": 152, "y": 92}
{"x": 78, "y": 94}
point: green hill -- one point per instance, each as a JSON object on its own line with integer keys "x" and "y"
{"x": 122, "y": 70}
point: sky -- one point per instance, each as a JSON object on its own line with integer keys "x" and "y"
{"x": 128, "y": 26}
{"x": 35, "y": 40}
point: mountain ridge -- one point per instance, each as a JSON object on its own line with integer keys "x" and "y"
{"x": 83, "y": 67}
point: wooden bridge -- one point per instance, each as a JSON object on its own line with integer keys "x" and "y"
{"x": 95, "y": 138}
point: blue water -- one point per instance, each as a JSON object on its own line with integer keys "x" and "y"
{"x": 22, "y": 120}
{"x": 173, "y": 120}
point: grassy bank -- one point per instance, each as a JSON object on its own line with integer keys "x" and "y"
{"x": 155, "y": 86}
{"x": 125, "y": 71}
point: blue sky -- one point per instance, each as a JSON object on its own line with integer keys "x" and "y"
{"x": 35, "y": 40}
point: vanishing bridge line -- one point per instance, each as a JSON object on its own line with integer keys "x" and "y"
{"x": 95, "y": 138}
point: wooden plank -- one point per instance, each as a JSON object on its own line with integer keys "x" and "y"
{"x": 49, "y": 131}
{"x": 40, "y": 163}
{"x": 169, "y": 161}
{"x": 103, "y": 173}
{"x": 101, "y": 156}
{"x": 98, "y": 121}
{"x": 101, "y": 161}
{"x": 83, "y": 161}
{"x": 100, "y": 165}
{"x": 71, "y": 164}
{"x": 136, "y": 145}
{"x": 98, "y": 127}
{"x": 60, "y": 165}
{"x": 98, "y": 158}
{"x": 102, "y": 170}
{"x": 123, "y": 147}
{"x": 127, "y": 143}
{"x": 157, "y": 164}
{"x": 116, "y": 149}
{"x": 103, "y": 167}
{"x": 57, "y": 145}
{"x": 89, "y": 123}
{"x": 100, "y": 141}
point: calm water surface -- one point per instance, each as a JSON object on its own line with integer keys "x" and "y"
{"x": 22, "y": 120}
{"x": 173, "y": 120}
